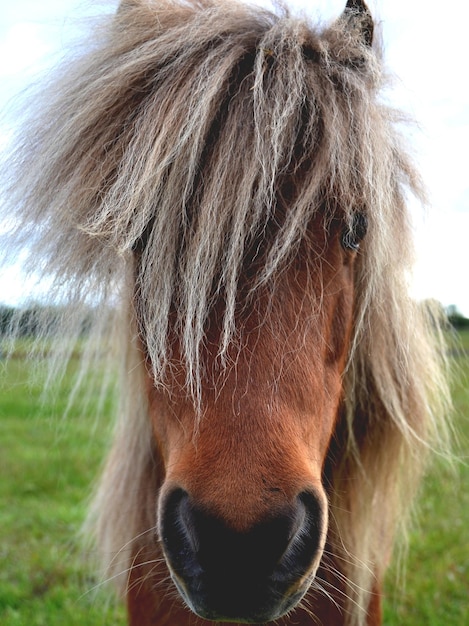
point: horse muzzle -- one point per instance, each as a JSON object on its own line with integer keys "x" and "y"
{"x": 250, "y": 576}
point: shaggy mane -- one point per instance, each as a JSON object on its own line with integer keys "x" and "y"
{"x": 192, "y": 139}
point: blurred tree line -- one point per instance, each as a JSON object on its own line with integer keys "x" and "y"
{"x": 34, "y": 320}
{"x": 31, "y": 321}
{"x": 456, "y": 319}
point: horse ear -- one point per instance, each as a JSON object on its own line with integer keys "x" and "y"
{"x": 125, "y": 5}
{"x": 358, "y": 15}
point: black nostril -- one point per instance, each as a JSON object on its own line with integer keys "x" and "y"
{"x": 307, "y": 538}
{"x": 178, "y": 534}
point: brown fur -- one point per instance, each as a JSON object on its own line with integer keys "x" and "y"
{"x": 189, "y": 177}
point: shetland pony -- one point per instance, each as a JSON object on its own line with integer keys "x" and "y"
{"x": 224, "y": 187}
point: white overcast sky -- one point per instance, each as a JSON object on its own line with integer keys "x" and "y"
{"x": 426, "y": 45}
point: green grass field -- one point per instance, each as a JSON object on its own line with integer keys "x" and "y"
{"x": 435, "y": 590}
{"x": 47, "y": 468}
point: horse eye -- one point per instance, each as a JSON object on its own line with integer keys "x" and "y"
{"x": 355, "y": 233}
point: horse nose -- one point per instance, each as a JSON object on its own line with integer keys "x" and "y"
{"x": 252, "y": 576}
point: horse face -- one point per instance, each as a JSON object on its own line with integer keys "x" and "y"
{"x": 242, "y": 513}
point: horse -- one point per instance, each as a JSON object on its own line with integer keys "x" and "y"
{"x": 224, "y": 187}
